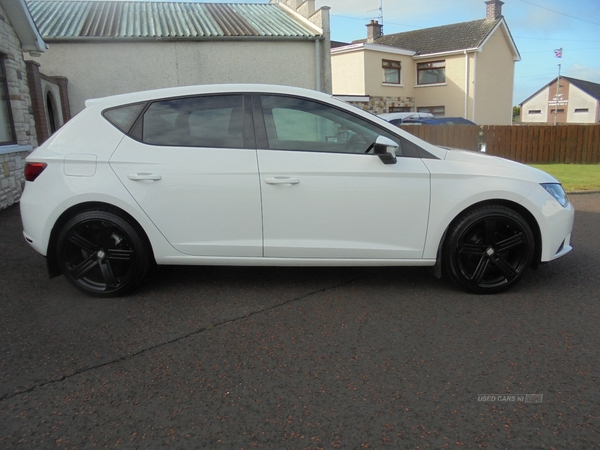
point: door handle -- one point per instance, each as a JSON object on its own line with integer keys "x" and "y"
{"x": 144, "y": 177}
{"x": 282, "y": 180}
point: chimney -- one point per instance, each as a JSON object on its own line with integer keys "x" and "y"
{"x": 373, "y": 31}
{"x": 493, "y": 9}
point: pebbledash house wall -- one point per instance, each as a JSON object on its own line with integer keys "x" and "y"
{"x": 12, "y": 157}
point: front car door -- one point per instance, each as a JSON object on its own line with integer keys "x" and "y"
{"x": 324, "y": 196}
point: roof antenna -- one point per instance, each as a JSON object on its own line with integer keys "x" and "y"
{"x": 381, "y": 15}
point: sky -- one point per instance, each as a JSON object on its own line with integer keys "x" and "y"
{"x": 538, "y": 28}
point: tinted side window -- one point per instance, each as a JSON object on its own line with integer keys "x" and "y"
{"x": 299, "y": 124}
{"x": 123, "y": 117}
{"x": 208, "y": 121}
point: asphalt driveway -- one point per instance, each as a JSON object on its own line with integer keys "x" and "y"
{"x": 351, "y": 358}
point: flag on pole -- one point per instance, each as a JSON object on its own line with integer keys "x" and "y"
{"x": 558, "y": 52}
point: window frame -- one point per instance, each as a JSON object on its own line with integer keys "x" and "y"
{"x": 5, "y": 90}
{"x": 420, "y": 69}
{"x": 398, "y": 70}
{"x": 437, "y": 111}
{"x": 136, "y": 130}
{"x": 262, "y": 142}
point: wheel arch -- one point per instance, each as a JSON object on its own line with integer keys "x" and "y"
{"x": 51, "y": 259}
{"x": 520, "y": 209}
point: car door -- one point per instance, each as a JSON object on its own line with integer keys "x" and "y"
{"x": 324, "y": 197}
{"x": 190, "y": 163}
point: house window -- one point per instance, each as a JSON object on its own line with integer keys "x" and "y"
{"x": 431, "y": 72}
{"x": 560, "y": 111}
{"x": 535, "y": 111}
{"x": 399, "y": 109}
{"x": 582, "y": 110}
{"x": 391, "y": 71}
{"x": 438, "y": 111}
{"x": 7, "y": 126}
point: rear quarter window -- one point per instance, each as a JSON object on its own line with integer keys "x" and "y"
{"x": 123, "y": 117}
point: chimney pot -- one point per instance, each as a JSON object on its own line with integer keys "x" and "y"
{"x": 493, "y": 9}
{"x": 374, "y": 31}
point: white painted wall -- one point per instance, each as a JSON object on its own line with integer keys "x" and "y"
{"x": 494, "y": 81}
{"x": 348, "y": 73}
{"x": 578, "y": 100}
{"x": 99, "y": 69}
{"x": 539, "y": 102}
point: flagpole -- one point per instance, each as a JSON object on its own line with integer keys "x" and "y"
{"x": 557, "y": 98}
{"x": 558, "y": 54}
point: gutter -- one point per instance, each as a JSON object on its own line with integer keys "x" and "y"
{"x": 318, "y": 63}
{"x": 150, "y": 39}
{"x": 453, "y": 52}
{"x": 466, "y": 85}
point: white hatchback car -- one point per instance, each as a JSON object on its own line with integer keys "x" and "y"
{"x": 272, "y": 175}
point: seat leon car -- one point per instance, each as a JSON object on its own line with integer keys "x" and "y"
{"x": 276, "y": 176}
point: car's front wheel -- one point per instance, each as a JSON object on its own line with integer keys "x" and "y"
{"x": 102, "y": 254}
{"x": 488, "y": 249}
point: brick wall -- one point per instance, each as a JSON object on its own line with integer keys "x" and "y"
{"x": 12, "y": 157}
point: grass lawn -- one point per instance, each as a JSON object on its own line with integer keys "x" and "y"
{"x": 574, "y": 177}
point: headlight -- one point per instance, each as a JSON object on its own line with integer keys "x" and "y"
{"x": 557, "y": 191}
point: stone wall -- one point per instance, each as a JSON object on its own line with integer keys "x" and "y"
{"x": 12, "y": 156}
{"x": 11, "y": 177}
{"x": 381, "y": 105}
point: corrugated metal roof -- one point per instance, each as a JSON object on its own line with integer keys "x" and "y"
{"x": 73, "y": 19}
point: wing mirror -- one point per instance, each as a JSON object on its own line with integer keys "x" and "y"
{"x": 385, "y": 148}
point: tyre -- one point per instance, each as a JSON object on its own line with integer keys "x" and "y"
{"x": 488, "y": 249}
{"x": 102, "y": 254}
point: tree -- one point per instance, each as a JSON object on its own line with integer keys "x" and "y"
{"x": 516, "y": 114}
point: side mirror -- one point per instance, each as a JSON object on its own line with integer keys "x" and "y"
{"x": 385, "y": 148}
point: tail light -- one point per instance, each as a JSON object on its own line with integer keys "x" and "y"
{"x": 33, "y": 170}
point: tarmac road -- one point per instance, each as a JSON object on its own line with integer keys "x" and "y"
{"x": 289, "y": 358}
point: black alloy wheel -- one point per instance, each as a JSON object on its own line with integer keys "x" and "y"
{"x": 488, "y": 249}
{"x": 102, "y": 254}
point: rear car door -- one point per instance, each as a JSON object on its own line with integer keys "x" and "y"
{"x": 190, "y": 163}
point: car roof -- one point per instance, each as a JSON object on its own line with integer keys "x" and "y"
{"x": 182, "y": 91}
{"x": 100, "y": 104}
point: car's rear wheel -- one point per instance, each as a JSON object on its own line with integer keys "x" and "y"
{"x": 488, "y": 249}
{"x": 102, "y": 254}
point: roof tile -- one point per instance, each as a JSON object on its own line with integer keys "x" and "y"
{"x": 442, "y": 39}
